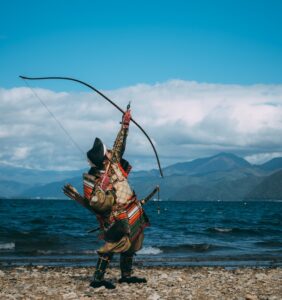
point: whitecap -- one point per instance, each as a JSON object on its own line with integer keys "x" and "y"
{"x": 7, "y": 246}
{"x": 223, "y": 229}
{"x": 150, "y": 250}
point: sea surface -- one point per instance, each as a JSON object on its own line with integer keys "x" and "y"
{"x": 230, "y": 234}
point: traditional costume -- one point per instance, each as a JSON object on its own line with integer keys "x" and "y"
{"x": 120, "y": 215}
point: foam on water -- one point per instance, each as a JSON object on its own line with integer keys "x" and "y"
{"x": 223, "y": 229}
{"x": 66, "y": 252}
{"x": 150, "y": 251}
{"x": 7, "y": 246}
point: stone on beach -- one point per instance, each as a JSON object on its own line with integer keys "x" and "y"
{"x": 199, "y": 283}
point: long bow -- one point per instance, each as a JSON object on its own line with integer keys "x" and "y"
{"x": 105, "y": 97}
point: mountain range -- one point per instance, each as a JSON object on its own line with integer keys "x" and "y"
{"x": 224, "y": 177}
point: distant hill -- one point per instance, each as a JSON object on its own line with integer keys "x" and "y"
{"x": 269, "y": 189}
{"x": 54, "y": 189}
{"x": 224, "y": 176}
{"x": 217, "y": 163}
{"x": 223, "y": 190}
{"x": 11, "y": 189}
{"x": 31, "y": 176}
{"x": 272, "y": 165}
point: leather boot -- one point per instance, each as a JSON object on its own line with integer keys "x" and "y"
{"x": 98, "y": 277}
{"x": 126, "y": 261}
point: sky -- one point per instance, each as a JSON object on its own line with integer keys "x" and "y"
{"x": 203, "y": 76}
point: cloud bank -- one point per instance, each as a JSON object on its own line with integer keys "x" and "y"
{"x": 186, "y": 120}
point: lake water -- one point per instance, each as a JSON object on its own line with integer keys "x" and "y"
{"x": 54, "y": 232}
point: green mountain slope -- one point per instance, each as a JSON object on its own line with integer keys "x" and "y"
{"x": 269, "y": 189}
{"x": 221, "y": 177}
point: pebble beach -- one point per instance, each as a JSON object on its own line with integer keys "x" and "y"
{"x": 40, "y": 282}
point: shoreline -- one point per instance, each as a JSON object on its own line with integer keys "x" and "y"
{"x": 142, "y": 260}
{"x": 40, "y": 282}
{"x": 228, "y": 265}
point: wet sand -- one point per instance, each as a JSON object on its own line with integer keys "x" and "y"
{"x": 163, "y": 283}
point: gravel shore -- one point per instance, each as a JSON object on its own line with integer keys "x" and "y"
{"x": 163, "y": 283}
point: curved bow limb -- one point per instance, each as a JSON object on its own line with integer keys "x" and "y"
{"x": 105, "y": 97}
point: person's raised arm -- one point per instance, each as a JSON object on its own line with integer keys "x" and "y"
{"x": 120, "y": 142}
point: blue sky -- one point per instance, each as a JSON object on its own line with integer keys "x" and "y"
{"x": 120, "y": 43}
{"x": 203, "y": 76}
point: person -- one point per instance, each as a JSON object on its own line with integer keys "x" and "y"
{"x": 121, "y": 216}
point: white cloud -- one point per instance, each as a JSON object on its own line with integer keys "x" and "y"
{"x": 261, "y": 158}
{"x": 185, "y": 119}
{"x": 20, "y": 153}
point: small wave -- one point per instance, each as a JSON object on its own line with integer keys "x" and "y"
{"x": 270, "y": 244}
{"x": 144, "y": 251}
{"x": 7, "y": 246}
{"x": 45, "y": 252}
{"x": 65, "y": 252}
{"x": 204, "y": 247}
{"x": 272, "y": 219}
{"x": 89, "y": 252}
{"x": 150, "y": 250}
{"x": 222, "y": 229}
{"x": 242, "y": 231}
